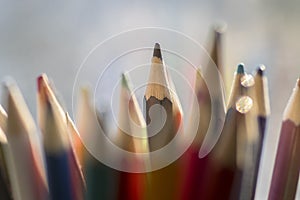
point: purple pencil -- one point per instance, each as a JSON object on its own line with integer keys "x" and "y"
{"x": 287, "y": 163}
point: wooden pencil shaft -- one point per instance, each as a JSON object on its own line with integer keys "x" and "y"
{"x": 287, "y": 163}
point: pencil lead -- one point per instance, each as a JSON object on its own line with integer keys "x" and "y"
{"x": 261, "y": 69}
{"x": 125, "y": 82}
{"x": 298, "y": 82}
{"x": 42, "y": 78}
{"x": 157, "y": 51}
{"x": 240, "y": 68}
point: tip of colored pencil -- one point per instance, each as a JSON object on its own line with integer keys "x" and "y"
{"x": 240, "y": 68}
{"x": 157, "y": 51}
{"x": 261, "y": 69}
{"x": 298, "y": 82}
{"x": 125, "y": 82}
{"x": 41, "y": 80}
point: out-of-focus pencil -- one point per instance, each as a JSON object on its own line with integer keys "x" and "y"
{"x": 216, "y": 52}
{"x": 195, "y": 167}
{"x": 287, "y": 164}
{"x": 263, "y": 111}
{"x": 5, "y": 187}
{"x": 101, "y": 180}
{"x": 76, "y": 141}
{"x": 26, "y": 169}
{"x": 132, "y": 137}
{"x": 222, "y": 161}
{"x": 163, "y": 183}
{"x": 64, "y": 174}
{"x": 3, "y": 118}
{"x": 247, "y": 141}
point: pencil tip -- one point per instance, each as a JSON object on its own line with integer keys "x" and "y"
{"x": 261, "y": 69}
{"x": 157, "y": 51}
{"x": 125, "y": 80}
{"x": 298, "y": 82}
{"x": 240, "y": 68}
{"x": 42, "y": 78}
{"x": 220, "y": 28}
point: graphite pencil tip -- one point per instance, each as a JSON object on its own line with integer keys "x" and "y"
{"x": 261, "y": 69}
{"x": 157, "y": 51}
{"x": 240, "y": 68}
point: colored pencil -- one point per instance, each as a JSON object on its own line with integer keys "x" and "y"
{"x": 195, "y": 166}
{"x": 216, "y": 47}
{"x": 287, "y": 163}
{"x": 132, "y": 137}
{"x": 101, "y": 180}
{"x": 24, "y": 158}
{"x": 163, "y": 183}
{"x": 64, "y": 174}
{"x": 247, "y": 140}
{"x": 222, "y": 160}
{"x": 263, "y": 111}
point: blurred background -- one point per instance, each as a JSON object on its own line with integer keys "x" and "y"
{"x": 54, "y": 37}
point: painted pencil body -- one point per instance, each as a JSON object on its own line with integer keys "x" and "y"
{"x": 132, "y": 137}
{"x": 101, "y": 180}
{"x": 24, "y": 157}
{"x": 221, "y": 171}
{"x": 287, "y": 163}
{"x": 263, "y": 111}
{"x": 64, "y": 174}
{"x": 195, "y": 166}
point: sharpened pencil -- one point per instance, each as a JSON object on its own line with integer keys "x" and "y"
{"x": 101, "y": 180}
{"x": 162, "y": 128}
{"x": 263, "y": 111}
{"x": 195, "y": 166}
{"x": 25, "y": 161}
{"x": 216, "y": 52}
{"x": 287, "y": 163}
{"x": 222, "y": 160}
{"x": 158, "y": 93}
{"x": 132, "y": 137}
{"x": 64, "y": 174}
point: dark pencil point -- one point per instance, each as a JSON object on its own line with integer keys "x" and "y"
{"x": 240, "y": 68}
{"x": 125, "y": 80}
{"x": 260, "y": 70}
{"x": 156, "y": 51}
{"x": 220, "y": 28}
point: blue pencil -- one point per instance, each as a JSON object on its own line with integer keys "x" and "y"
{"x": 62, "y": 180}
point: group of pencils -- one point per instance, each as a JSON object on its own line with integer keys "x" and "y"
{"x": 52, "y": 161}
